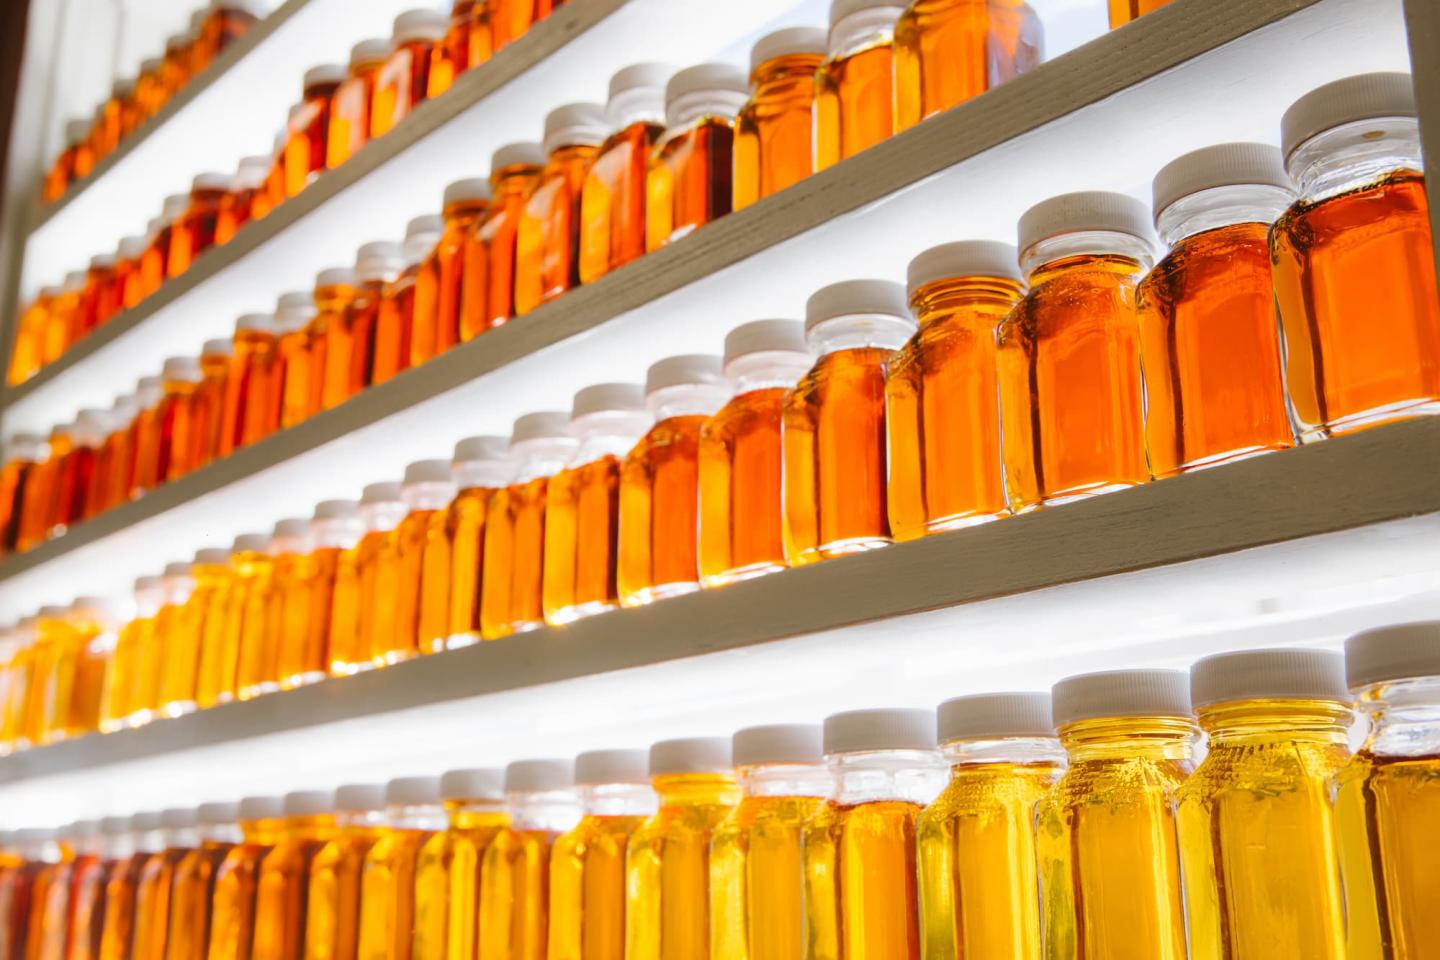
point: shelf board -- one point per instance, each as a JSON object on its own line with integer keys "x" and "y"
{"x": 1104, "y": 116}
{"x": 1297, "y": 496}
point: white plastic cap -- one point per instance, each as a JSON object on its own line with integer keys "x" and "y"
{"x": 851, "y": 298}
{"x": 608, "y": 398}
{"x": 575, "y": 123}
{"x": 102, "y": 261}
{"x": 992, "y": 716}
{"x": 178, "y": 568}
{"x": 544, "y": 425}
{"x": 689, "y": 369}
{"x": 1085, "y": 211}
{"x": 1221, "y": 165}
{"x": 789, "y": 42}
{"x": 212, "y": 181}
{"x": 429, "y": 224}
{"x": 294, "y": 310}
{"x": 483, "y": 783}
{"x": 378, "y": 260}
{"x": 412, "y": 791}
{"x": 840, "y": 9}
{"x": 76, "y": 130}
{"x": 1268, "y": 674}
{"x": 83, "y": 829}
{"x": 690, "y": 755}
{"x": 428, "y": 25}
{"x": 292, "y": 527}
{"x": 778, "y": 743}
{"x": 261, "y": 808}
{"x": 151, "y": 582}
{"x": 765, "y": 336}
{"x": 384, "y": 492}
{"x": 212, "y": 556}
{"x": 966, "y": 258}
{"x": 640, "y": 76}
{"x": 52, "y": 611}
{"x": 359, "y": 797}
{"x": 222, "y": 347}
{"x": 374, "y": 50}
{"x": 173, "y": 206}
{"x": 860, "y": 731}
{"x": 1121, "y": 693}
{"x": 516, "y": 154}
{"x": 309, "y": 803}
{"x": 325, "y": 73}
{"x": 421, "y": 235}
{"x": 428, "y": 471}
{"x": 336, "y": 509}
{"x": 709, "y": 78}
{"x": 114, "y": 826}
{"x": 538, "y": 776}
{"x": 179, "y": 818}
{"x": 263, "y": 322}
{"x": 469, "y": 189}
{"x": 251, "y": 543}
{"x": 597, "y": 768}
{"x": 251, "y": 172}
{"x": 1369, "y": 96}
{"x": 336, "y": 277}
{"x": 1402, "y": 651}
{"x": 74, "y": 280}
{"x": 478, "y": 449}
{"x": 182, "y": 368}
{"x": 217, "y": 814}
{"x": 129, "y": 248}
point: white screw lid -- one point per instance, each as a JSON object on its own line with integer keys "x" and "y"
{"x": 542, "y": 425}
{"x": 993, "y": 716}
{"x": 788, "y": 42}
{"x": 294, "y": 310}
{"x": 383, "y": 492}
{"x": 1369, "y": 96}
{"x": 766, "y": 336}
{"x": 597, "y": 768}
{"x": 129, "y": 248}
{"x": 336, "y": 277}
{"x": 84, "y": 829}
{"x": 1268, "y": 674}
{"x": 217, "y": 814}
{"x": 378, "y": 260}
{"x": 263, "y": 322}
{"x": 114, "y": 826}
{"x": 690, "y": 755}
{"x": 1221, "y": 165}
{"x": 309, "y": 803}
{"x": 575, "y": 123}
{"x": 539, "y": 776}
{"x": 640, "y": 76}
{"x": 261, "y": 808}
{"x": 860, "y": 731}
{"x": 857, "y": 297}
{"x": 145, "y": 822}
{"x": 517, "y": 154}
{"x": 1401, "y": 651}
{"x": 179, "y": 818}
{"x": 1084, "y": 211}
{"x": 481, "y": 449}
{"x": 429, "y": 471}
{"x": 429, "y": 25}
{"x": 712, "y": 78}
{"x": 1121, "y": 693}
{"x": 778, "y": 743}
{"x": 186, "y": 369}
{"x": 966, "y": 258}
{"x": 212, "y": 181}
{"x": 177, "y": 569}
{"x": 212, "y": 556}
{"x": 251, "y": 543}
{"x": 429, "y": 224}
{"x": 690, "y": 369}
{"x": 325, "y": 73}
{"x": 840, "y": 9}
{"x": 336, "y": 509}
{"x": 251, "y": 172}
{"x": 608, "y": 398}
{"x": 481, "y": 783}
{"x": 359, "y": 797}
{"x": 221, "y": 347}
{"x": 374, "y": 50}
{"x": 152, "y": 582}
{"x": 412, "y": 791}
{"x": 102, "y": 261}
{"x": 292, "y": 527}
{"x": 471, "y": 188}
{"x": 76, "y": 130}
{"x": 173, "y": 206}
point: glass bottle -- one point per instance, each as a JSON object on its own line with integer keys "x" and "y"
{"x": 116, "y": 461}
{"x": 178, "y": 636}
{"x": 660, "y": 481}
{"x": 193, "y": 886}
{"x": 612, "y": 199}
{"x": 248, "y": 627}
{"x": 211, "y": 599}
{"x": 1107, "y": 845}
{"x": 387, "y": 882}
{"x": 232, "y": 910}
{"x": 942, "y": 412}
{"x": 181, "y": 377}
{"x": 330, "y": 338}
{"x": 237, "y": 207}
{"x": 194, "y": 232}
{"x": 382, "y": 507}
{"x": 1071, "y": 394}
{"x": 1357, "y": 244}
{"x": 51, "y": 858}
{"x": 855, "y": 87}
{"x": 482, "y": 468}
{"x": 22, "y": 672}
{"x": 74, "y": 478}
{"x": 741, "y": 531}
{"x": 1123, "y": 11}
{"x": 436, "y": 324}
{"x": 833, "y": 426}
{"x": 95, "y": 854}
{"x": 284, "y": 880}
{"x": 401, "y": 84}
{"x": 25, "y": 350}
{"x": 690, "y": 178}
{"x": 153, "y": 891}
{"x": 332, "y": 903}
{"x": 976, "y": 843}
{"x": 395, "y": 323}
{"x": 513, "y": 587}
{"x": 155, "y": 263}
{"x": 512, "y": 19}
{"x": 98, "y": 300}
{"x": 90, "y": 625}
{"x": 256, "y": 363}
{"x": 37, "y": 506}
{"x": 422, "y": 589}
{"x": 300, "y": 658}
{"x": 447, "y": 874}
{"x": 582, "y": 503}
{"x": 294, "y": 356}
{"x": 226, "y": 22}
{"x": 451, "y": 56}
{"x": 24, "y": 856}
{"x": 757, "y": 875}
{"x": 145, "y": 437}
{"x": 24, "y": 452}
{"x": 309, "y": 127}
{"x": 125, "y": 694}
{"x": 64, "y": 325}
{"x": 377, "y": 266}
{"x": 334, "y": 632}
{"x": 487, "y": 293}
{"x": 129, "y": 285}
{"x": 667, "y": 862}
{"x": 775, "y": 130}
{"x": 118, "y": 928}
{"x": 350, "y": 105}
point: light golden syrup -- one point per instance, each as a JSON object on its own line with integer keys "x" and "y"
{"x": 481, "y": 470}
{"x": 447, "y": 877}
{"x": 855, "y": 86}
{"x": 387, "y": 881}
{"x": 153, "y": 892}
{"x": 118, "y": 929}
{"x": 332, "y": 902}
{"x": 376, "y": 566}
{"x": 547, "y": 243}
{"x": 774, "y": 131}
{"x": 232, "y": 911}
{"x": 283, "y": 887}
{"x": 211, "y": 600}
{"x": 612, "y": 200}
{"x": 298, "y": 592}
{"x": 487, "y": 294}
{"x": 250, "y": 611}
{"x": 423, "y": 562}
{"x": 180, "y": 632}
{"x": 50, "y": 902}
{"x": 948, "y": 51}
{"x": 94, "y": 857}
{"x": 193, "y": 887}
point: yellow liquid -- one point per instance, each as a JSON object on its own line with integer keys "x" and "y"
{"x": 587, "y": 889}
{"x": 332, "y": 916}
{"x": 447, "y": 885}
{"x": 387, "y": 894}
{"x": 251, "y": 604}
{"x": 118, "y": 931}
{"x": 191, "y": 893}
{"x": 211, "y": 600}
{"x": 667, "y": 868}
{"x": 515, "y": 895}
{"x": 1257, "y": 832}
{"x": 757, "y": 880}
{"x": 232, "y": 911}
{"x": 976, "y": 851}
{"x": 152, "y": 904}
{"x": 283, "y": 889}
{"x": 1106, "y": 842}
{"x": 378, "y": 559}
{"x": 180, "y": 630}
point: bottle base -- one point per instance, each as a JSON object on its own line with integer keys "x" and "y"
{"x": 178, "y": 708}
{"x": 648, "y": 595}
{"x": 1076, "y": 494}
{"x": 579, "y": 611}
{"x": 258, "y": 690}
{"x": 301, "y": 679}
{"x": 738, "y": 574}
{"x": 456, "y": 641}
{"x": 1374, "y": 417}
{"x": 945, "y": 524}
{"x": 1220, "y": 459}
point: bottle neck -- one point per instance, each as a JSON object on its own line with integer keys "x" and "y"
{"x": 1095, "y": 249}
{"x": 1129, "y": 738}
{"x": 420, "y": 816}
{"x": 695, "y": 106}
{"x": 680, "y": 790}
{"x": 1404, "y": 717}
{"x": 780, "y": 75}
{"x": 483, "y": 474}
{"x": 116, "y": 847}
{"x": 912, "y": 776}
{"x": 1222, "y": 207}
{"x": 543, "y": 457}
{"x": 469, "y": 814}
{"x": 964, "y": 754}
{"x": 360, "y": 820}
{"x": 987, "y": 299}
{"x": 1264, "y": 721}
{"x": 608, "y": 435}
{"x": 637, "y": 105}
{"x": 515, "y": 180}
{"x": 383, "y": 515}
{"x": 860, "y": 331}
{"x": 1354, "y": 155}
{"x": 766, "y": 371}
{"x": 150, "y": 841}
{"x": 618, "y": 800}
{"x": 182, "y": 838}
{"x": 864, "y": 29}
{"x": 787, "y": 780}
{"x": 549, "y": 810}
{"x": 687, "y": 400}
{"x": 220, "y": 833}
{"x": 428, "y": 496}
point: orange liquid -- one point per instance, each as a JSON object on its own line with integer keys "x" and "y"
{"x": 193, "y": 889}
{"x": 587, "y": 889}
{"x": 741, "y": 531}
{"x": 304, "y": 158}
{"x": 37, "y": 503}
{"x": 152, "y": 904}
{"x": 75, "y": 477}
{"x": 87, "y": 908}
{"x": 296, "y": 371}
{"x": 465, "y": 527}
{"x": 261, "y": 386}
{"x": 399, "y": 86}
{"x": 155, "y": 260}
{"x": 330, "y": 346}
{"x": 194, "y": 232}
{"x": 774, "y": 131}
{"x": 379, "y": 561}
{"x": 689, "y": 180}
{"x": 347, "y": 646}
{"x": 510, "y": 594}
{"x": 99, "y": 300}
{"x": 393, "y": 323}
{"x": 14, "y": 479}
{"x": 515, "y": 895}
{"x": 61, "y": 325}
{"x": 480, "y": 36}
{"x": 659, "y": 490}
{"x": 49, "y": 907}
{"x": 332, "y": 914}
{"x": 451, "y": 56}
{"x": 272, "y": 192}
{"x": 181, "y": 633}
{"x": 250, "y": 616}
{"x": 207, "y": 408}
{"x": 219, "y": 633}
{"x": 25, "y": 357}
{"x": 512, "y": 19}
{"x": 834, "y": 443}
{"x": 422, "y": 585}
{"x": 435, "y": 325}
{"x": 87, "y": 682}
{"x": 387, "y": 895}
{"x": 447, "y": 884}
{"x": 547, "y": 244}
{"x": 948, "y": 51}
{"x": 233, "y": 213}
{"x": 1070, "y": 388}
{"x": 582, "y": 531}
{"x": 300, "y": 659}
{"x": 1366, "y": 254}
{"x": 362, "y": 319}
{"x": 145, "y": 433}
{"x": 350, "y": 115}
{"x": 148, "y": 663}
{"x": 114, "y": 466}
{"x": 854, "y": 103}
{"x": 129, "y": 285}
{"x": 176, "y": 414}
{"x": 232, "y": 910}
{"x": 612, "y": 201}
{"x": 1123, "y": 11}
{"x": 487, "y": 296}
{"x": 943, "y": 418}
{"x": 223, "y": 28}
{"x": 122, "y": 696}
{"x": 16, "y": 885}
{"x": 1211, "y": 351}
{"x": 282, "y": 890}
{"x": 59, "y": 176}
{"x": 118, "y": 929}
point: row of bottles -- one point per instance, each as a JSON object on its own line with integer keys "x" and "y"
{"x": 1070, "y": 824}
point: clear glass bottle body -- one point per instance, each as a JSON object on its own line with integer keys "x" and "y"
{"x": 547, "y": 240}
{"x": 487, "y": 295}
{"x": 215, "y": 681}
{"x": 282, "y": 889}
{"x": 587, "y": 874}
{"x": 192, "y": 890}
{"x": 440, "y": 281}
{"x": 387, "y": 882}
{"x": 513, "y": 920}
{"x": 948, "y": 51}
{"x": 774, "y": 131}
{"x": 512, "y": 591}
{"x": 377, "y": 558}
{"x": 332, "y": 905}
{"x": 232, "y": 910}
{"x": 422, "y": 573}
{"x": 855, "y": 86}
{"x": 612, "y": 200}
{"x": 690, "y": 178}
{"x": 465, "y": 527}
{"x": 447, "y": 880}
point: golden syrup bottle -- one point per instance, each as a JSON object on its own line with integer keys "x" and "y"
{"x": 350, "y": 106}
{"x": 155, "y": 262}
{"x": 48, "y": 695}
{"x": 332, "y": 638}
{"x": 332, "y": 899}
{"x": 382, "y": 506}
{"x": 237, "y": 207}
{"x": 150, "y": 92}
{"x": 145, "y": 437}
{"x": 377, "y": 266}
{"x": 1107, "y": 848}
{"x": 178, "y": 635}
{"x": 282, "y": 890}
{"x": 422, "y": 569}
{"x": 740, "y": 524}
{"x": 176, "y": 413}
{"x": 249, "y": 626}
{"x": 1258, "y": 847}
{"x": 757, "y": 876}
{"x": 513, "y": 921}
{"x": 153, "y": 890}
{"x": 29, "y": 332}
{"x": 210, "y": 607}
{"x": 667, "y": 861}
{"x": 612, "y": 197}
{"x": 833, "y": 424}
{"x": 75, "y": 478}
{"x": 660, "y": 481}
{"x": 948, "y": 51}
{"x": 582, "y": 503}
{"x": 512, "y": 590}
{"x": 291, "y": 604}
{"x": 774, "y": 131}
{"x": 232, "y": 909}
{"x": 98, "y": 301}
{"x": 62, "y": 329}
{"x": 94, "y": 854}
{"x": 855, "y": 86}
{"x": 481, "y": 37}
{"x": 401, "y": 84}
{"x": 272, "y": 193}
{"x": 481, "y": 468}
{"x": 16, "y": 885}
{"x": 1357, "y": 243}
{"x": 512, "y": 19}
{"x": 257, "y": 355}
{"x": 294, "y": 351}
{"x": 451, "y": 55}
{"x": 942, "y": 415}
{"x": 50, "y": 898}
{"x": 487, "y": 291}
{"x": 117, "y": 935}
{"x": 90, "y": 637}
{"x": 1070, "y": 353}
{"x": 24, "y": 453}
{"x": 125, "y": 694}
{"x": 21, "y": 671}
{"x": 396, "y": 320}
{"x": 309, "y": 127}
{"x": 193, "y": 885}
{"x": 975, "y": 845}
{"x": 861, "y": 901}
{"x": 12, "y": 641}
{"x": 689, "y": 181}
{"x": 335, "y": 292}
{"x": 1209, "y": 341}
{"x": 435, "y": 326}
{"x": 447, "y": 871}
{"x": 175, "y": 66}
{"x": 116, "y": 461}
{"x": 387, "y": 882}
{"x": 61, "y": 172}
{"x": 230, "y": 422}
{"x": 226, "y": 23}
{"x": 547, "y": 238}
{"x": 1387, "y": 798}
{"x": 129, "y": 285}
{"x": 194, "y": 232}
{"x": 1123, "y": 11}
